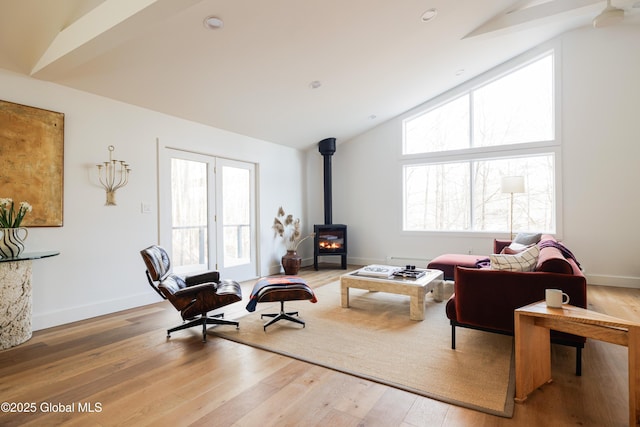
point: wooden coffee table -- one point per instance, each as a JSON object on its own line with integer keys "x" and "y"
{"x": 414, "y": 288}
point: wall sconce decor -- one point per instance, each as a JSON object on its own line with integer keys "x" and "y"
{"x": 113, "y": 174}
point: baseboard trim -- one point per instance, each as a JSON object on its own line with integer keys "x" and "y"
{"x": 391, "y": 260}
{"x": 402, "y": 261}
{"x": 82, "y": 312}
{"x": 616, "y": 281}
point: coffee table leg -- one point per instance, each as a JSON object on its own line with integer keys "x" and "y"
{"x": 344, "y": 295}
{"x": 438, "y": 291}
{"x": 416, "y": 307}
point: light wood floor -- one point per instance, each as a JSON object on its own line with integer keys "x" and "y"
{"x": 122, "y": 367}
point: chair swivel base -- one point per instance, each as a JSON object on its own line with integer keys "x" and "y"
{"x": 282, "y": 315}
{"x": 216, "y": 319}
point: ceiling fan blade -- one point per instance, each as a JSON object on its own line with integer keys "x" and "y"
{"x": 609, "y": 16}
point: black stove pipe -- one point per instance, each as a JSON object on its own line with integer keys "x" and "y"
{"x": 327, "y": 147}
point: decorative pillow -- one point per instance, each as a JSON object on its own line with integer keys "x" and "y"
{"x": 514, "y": 248}
{"x": 527, "y": 238}
{"x": 523, "y": 261}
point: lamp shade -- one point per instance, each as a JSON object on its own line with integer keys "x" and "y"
{"x": 512, "y": 184}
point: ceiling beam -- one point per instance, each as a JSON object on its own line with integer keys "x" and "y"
{"x": 520, "y": 16}
{"x": 108, "y": 25}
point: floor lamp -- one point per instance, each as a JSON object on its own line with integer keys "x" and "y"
{"x": 511, "y": 185}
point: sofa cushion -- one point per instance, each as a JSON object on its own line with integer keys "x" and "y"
{"x": 523, "y": 261}
{"x": 515, "y": 248}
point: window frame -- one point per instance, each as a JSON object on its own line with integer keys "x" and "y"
{"x": 553, "y": 146}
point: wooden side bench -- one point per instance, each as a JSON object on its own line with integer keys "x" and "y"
{"x": 533, "y": 351}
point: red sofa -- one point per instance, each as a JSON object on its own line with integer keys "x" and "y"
{"x": 485, "y": 299}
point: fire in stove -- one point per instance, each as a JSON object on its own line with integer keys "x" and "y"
{"x": 330, "y": 245}
{"x": 331, "y": 240}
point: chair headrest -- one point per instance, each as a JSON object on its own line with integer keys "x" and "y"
{"x": 157, "y": 261}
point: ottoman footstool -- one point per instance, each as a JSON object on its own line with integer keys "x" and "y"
{"x": 280, "y": 289}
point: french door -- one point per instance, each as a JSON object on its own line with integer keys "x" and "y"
{"x": 236, "y": 213}
{"x": 207, "y": 214}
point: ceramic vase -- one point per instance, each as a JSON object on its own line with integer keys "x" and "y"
{"x": 12, "y": 241}
{"x": 291, "y": 263}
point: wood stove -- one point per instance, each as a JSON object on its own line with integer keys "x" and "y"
{"x": 330, "y": 239}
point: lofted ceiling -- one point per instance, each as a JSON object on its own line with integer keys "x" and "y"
{"x": 372, "y": 59}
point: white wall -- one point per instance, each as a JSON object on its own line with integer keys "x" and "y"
{"x": 601, "y": 147}
{"x": 100, "y": 270}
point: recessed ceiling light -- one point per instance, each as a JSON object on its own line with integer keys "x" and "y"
{"x": 460, "y": 72}
{"x": 315, "y": 84}
{"x": 213, "y": 22}
{"x": 429, "y": 15}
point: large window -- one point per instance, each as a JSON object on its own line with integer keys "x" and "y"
{"x": 456, "y": 153}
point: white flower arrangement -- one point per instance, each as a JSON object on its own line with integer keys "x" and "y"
{"x": 289, "y": 229}
{"x": 8, "y": 217}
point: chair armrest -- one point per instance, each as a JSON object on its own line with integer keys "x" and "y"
{"x": 209, "y": 276}
{"x": 193, "y": 290}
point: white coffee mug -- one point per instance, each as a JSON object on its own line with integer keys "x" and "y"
{"x": 555, "y": 298}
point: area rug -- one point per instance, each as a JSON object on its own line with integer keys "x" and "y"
{"x": 374, "y": 339}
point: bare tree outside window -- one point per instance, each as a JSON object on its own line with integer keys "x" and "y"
{"x": 237, "y": 213}
{"x": 189, "y": 213}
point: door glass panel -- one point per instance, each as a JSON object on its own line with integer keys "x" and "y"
{"x": 236, "y": 215}
{"x": 189, "y": 215}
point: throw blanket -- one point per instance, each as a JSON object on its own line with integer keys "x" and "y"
{"x": 563, "y": 249}
{"x": 273, "y": 282}
{"x": 483, "y": 263}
